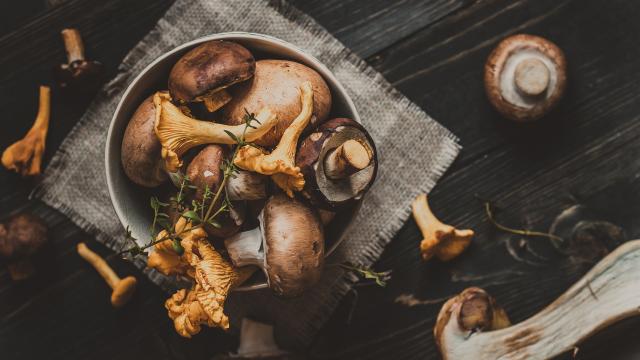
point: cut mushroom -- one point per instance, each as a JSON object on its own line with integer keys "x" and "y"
{"x": 339, "y": 163}
{"x": 606, "y": 294}
{"x": 141, "y": 151}
{"x": 275, "y": 85}
{"x": 78, "y": 74}
{"x": 440, "y": 240}
{"x": 280, "y": 164}
{"x": 525, "y": 77}
{"x": 203, "y": 73}
{"x": 25, "y": 156}
{"x": 288, "y": 246}
{"x": 178, "y": 133}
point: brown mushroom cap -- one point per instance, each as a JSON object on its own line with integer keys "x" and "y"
{"x": 294, "y": 245}
{"x": 525, "y": 77}
{"x": 21, "y": 236}
{"x": 205, "y": 170}
{"x": 209, "y": 67}
{"x": 276, "y": 85}
{"x": 141, "y": 151}
{"x": 328, "y": 193}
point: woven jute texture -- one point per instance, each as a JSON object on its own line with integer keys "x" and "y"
{"x": 414, "y": 152}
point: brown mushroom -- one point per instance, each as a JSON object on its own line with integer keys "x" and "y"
{"x": 141, "y": 151}
{"x": 275, "y": 85}
{"x": 288, "y": 246}
{"x": 247, "y": 185}
{"x": 525, "y": 77}
{"x": 79, "y": 74}
{"x": 339, "y": 163}
{"x": 203, "y": 73}
{"x": 25, "y": 156}
{"x": 21, "y": 236}
{"x": 205, "y": 170}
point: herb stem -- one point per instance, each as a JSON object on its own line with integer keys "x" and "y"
{"x": 523, "y": 232}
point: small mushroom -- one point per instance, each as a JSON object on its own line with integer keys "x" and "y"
{"x": 213, "y": 277}
{"x": 78, "y": 74}
{"x": 178, "y": 133}
{"x": 525, "y": 77}
{"x": 247, "y": 185}
{"x": 288, "y": 246}
{"x": 25, "y": 156}
{"x": 203, "y": 73}
{"x": 123, "y": 289}
{"x": 141, "y": 151}
{"x": 443, "y": 241}
{"x": 275, "y": 85}
{"x": 21, "y": 236}
{"x": 205, "y": 170}
{"x": 339, "y": 163}
{"x": 280, "y": 164}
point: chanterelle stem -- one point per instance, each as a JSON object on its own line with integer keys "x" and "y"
{"x": 99, "y": 264}
{"x": 73, "y": 44}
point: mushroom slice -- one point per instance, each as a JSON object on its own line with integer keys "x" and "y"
{"x": 339, "y": 162}
{"x": 203, "y": 73}
{"x": 214, "y": 278}
{"x": 443, "y": 241}
{"x": 288, "y": 245}
{"x": 25, "y": 156}
{"x": 178, "y": 132}
{"x": 280, "y": 164}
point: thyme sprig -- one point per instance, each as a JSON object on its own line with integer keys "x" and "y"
{"x": 379, "y": 277}
{"x": 200, "y": 213}
{"x": 523, "y": 232}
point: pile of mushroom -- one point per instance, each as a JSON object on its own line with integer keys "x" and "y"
{"x": 294, "y": 170}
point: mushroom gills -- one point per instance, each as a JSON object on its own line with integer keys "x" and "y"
{"x": 352, "y": 186}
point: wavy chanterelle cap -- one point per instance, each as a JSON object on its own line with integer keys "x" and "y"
{"x": 280, "y": 164}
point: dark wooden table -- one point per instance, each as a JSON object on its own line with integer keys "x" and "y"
{"x": 586, "y": 153}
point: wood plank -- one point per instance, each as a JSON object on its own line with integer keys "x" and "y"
{"x": 582, "y": 149}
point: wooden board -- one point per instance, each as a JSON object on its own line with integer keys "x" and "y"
{"x": 433, "y": 51}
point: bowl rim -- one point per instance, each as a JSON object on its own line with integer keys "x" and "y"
{"x": 310, "y": 60}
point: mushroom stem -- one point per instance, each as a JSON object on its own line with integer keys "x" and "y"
{"x": 73, "y": 44}
{"x": 531, "y": 77}
{"x": 216, "y": 99}
{"x": 347, "y": 159}
{"x": 122, "y": 288}
{"x": 257, "y": 341}
{"x": 605, "y": 295}
{"x": 25, "y": 156}
{"x": 178, "y": 133}
{"x": 246, "y": 248}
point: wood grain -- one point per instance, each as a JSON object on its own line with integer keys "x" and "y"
{"x": 433, "y": 51}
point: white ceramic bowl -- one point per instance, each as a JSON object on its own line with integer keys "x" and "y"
{"x": 130, "y": 201}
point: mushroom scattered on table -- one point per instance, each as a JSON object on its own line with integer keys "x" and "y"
{"x": 78, "y": 74}
{"x": 339, "y": 163}
{"x": 525, "y": 77}
{"x": 275, "y": 85}
{"x": 21, "y": 236}
{"x": 25, "y": 155}
{"x": 440, "y": 240}
{"x": 288, "y": 245}
{"x": 204, "y": 73}
{"x": 123, "y": 289}
{"x": 280, "y": 163}
{"x": 178, "y": 132}
{"x": 140, "y": 152}
{"x": 472, "y": 326}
